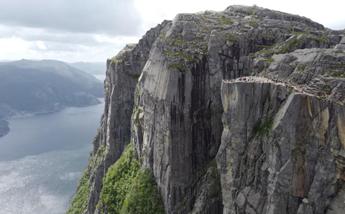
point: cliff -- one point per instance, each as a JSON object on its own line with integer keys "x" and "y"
{"x": 239, "y": 111}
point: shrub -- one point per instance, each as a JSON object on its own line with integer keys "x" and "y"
{"x": 80, "y": 199}
{"x": 79, "y": 202}
{"x": 118, "y": 181}
{"x": 143, "y": 197}
{"x": 263, "y": 128}
{"x": 225, "y": 20}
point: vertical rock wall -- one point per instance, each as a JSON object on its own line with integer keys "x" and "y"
{"x": 285, "y": 146}
{"x": 123, "y": 72}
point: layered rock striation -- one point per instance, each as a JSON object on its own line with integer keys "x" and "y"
{"x": 240, "y": 111}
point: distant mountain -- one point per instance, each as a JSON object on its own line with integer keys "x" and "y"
{"x": 44, "y": 86}
{"x": 94, "y": 68}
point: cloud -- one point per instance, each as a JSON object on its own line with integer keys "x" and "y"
{"x": 329, "y": 14}
{"x": 38, "y": 34}
{"x": 41, "y": 44}
{"x": 93, "y": 30}
{"x": 112, "y": 17}
{"x": 338, "y": 25}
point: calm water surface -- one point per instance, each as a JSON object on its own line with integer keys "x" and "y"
{"x": 42, "y": 158}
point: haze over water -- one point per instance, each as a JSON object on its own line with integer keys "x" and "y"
{"x": 42, "y": 159}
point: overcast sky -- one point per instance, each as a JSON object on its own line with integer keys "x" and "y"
{"x": 94, "y": 30}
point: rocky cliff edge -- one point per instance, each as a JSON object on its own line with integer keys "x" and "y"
{"x": 239, "y": 111}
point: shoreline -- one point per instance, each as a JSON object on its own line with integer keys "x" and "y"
{"x": 5, "y": 124}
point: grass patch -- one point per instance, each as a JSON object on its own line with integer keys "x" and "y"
{"x": 253, "y": 23}
{"x": 265, "y": 52}
{"x": 339, "y": 74}
{"x": 327, "y": 89}
{"x": 300, "y": 39}
{"x": 80, "y": 199}
{"x": 290, "y": 45}
{"x": 117, "y": 60}
{"x": 98, "y": 157}
{"x": 301, "y": 67}
{"x": 323, "y": 39}
{"x": 179, "y": 42}
{"x": 263, "y": 127}
{"x": 143, "y": 197}
{"x": 179, "y": 54}
{"x": 118, "y": 181}
{"x": 269, "y": 60}
{"x": 231, "y": 37}
{"x": 177, "y": 66}
{"x": 225, "y": 20}
{"x": 181, "y": 59}
{"x": 127, "y": 189}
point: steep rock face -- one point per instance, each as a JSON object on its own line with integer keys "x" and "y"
{"x": 114, "y": 134}
{"x": 285, "y": 136}
{"x": 177, "y": 124}
{"x": 285, "y": 145}
{"x": 278, "y": 148}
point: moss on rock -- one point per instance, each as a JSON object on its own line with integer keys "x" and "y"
{"x": 263, "y": 128}
{"x": 225, "y": 20}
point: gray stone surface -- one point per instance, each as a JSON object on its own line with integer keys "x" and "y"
{"x": 342, "y": 40}
{"x": 338, "y": 204}
{"x": 285, "y": 145}
{"x": 123, "y": 72}
{"x": 239, "y": 111}
{"x": 178, "y": 94}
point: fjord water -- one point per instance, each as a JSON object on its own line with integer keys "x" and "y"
{"x": 42, "y": 158}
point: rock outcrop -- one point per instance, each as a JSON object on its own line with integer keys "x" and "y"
{"x": 286, "y": 145}
{"x": 240, "y": 111}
